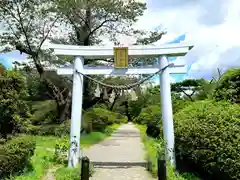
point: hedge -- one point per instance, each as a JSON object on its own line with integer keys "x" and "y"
{"x": 149, "y": 114}
{"x": 15, "y": 155}
{"x": 207, "y": 136}
{"x": 97, "y": 119}
{"x": 155, "y": 148}
{"x": 228, "y": 87}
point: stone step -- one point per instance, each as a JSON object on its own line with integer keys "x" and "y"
{"x": 119, "y": 164}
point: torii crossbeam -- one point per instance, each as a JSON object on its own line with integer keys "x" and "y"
{"x": 98, "y": 52}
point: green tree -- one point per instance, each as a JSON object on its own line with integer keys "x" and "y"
{"x": 90, "y": 20}
{"x": 189, "y": 87}
{"x": 29, "y": 24}
{"x": 14, "y": 112}
{"x": 228, "y": 86}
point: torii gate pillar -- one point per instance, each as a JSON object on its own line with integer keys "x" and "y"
{"x": 166, "y": 107}
{"x": 76, "y": 116}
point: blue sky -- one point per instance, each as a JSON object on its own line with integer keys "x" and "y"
{"x": 175, "y": 77}
{"x": 8, "y": 58}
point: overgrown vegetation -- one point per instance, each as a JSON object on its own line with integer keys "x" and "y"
{"x": 13, "y": 110}
{"x": 66, "y": 173}
{"x": 155, "y": 148}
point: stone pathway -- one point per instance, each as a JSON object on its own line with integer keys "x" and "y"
{"x": 120, "y": 157}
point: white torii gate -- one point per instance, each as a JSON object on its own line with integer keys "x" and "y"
{"x": 96, "y": 52}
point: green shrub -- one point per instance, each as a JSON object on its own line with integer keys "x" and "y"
{"x": 208, "y": 136}
{"x": 154, "y": 148}
{"x": 97, "y": 119}
{"x": 228, "y": 87}
{"x": 50, "y": 129}
{"x": 110, "y": 129}
{"x": 179, "y": 103}
{"x": 61, "y": 149}
{"x": 62, "y": 129}
{"x": 13, "y": 110}
{"x": 15, "y": 155}
{"x": 43, "y": 112}
{"x": 149, "y": 114}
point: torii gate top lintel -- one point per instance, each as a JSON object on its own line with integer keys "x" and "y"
{"x": 93, "y": 52}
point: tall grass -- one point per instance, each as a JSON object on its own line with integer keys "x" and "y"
{"x": 155, "y": 148}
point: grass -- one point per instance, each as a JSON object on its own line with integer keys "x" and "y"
{"x": 155, "y": 147}
{"x": 65, "y": 173}
{"x": 42, "y": 159}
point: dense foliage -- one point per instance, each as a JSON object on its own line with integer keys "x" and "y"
{"x": 149, "y": 114}
{"x": 13, "y": 109}
{"x": 15, "y": 155}
{"x": 97, "y": 119}
{"x": 50, "y": 129}
{"x": 207, "y": 136}
{"x": 228, "y": 87}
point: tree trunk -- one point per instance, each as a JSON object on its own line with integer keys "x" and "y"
{"x": 114, "y": 102}
{"x": 189, "y": 96}
{"x": 63, "y": 115}
{"x": 127, "y": 111}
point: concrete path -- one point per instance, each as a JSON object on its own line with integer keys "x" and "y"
{"x": 120, "y": 157}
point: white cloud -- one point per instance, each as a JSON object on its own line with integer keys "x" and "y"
{"x": 213, "y": 26}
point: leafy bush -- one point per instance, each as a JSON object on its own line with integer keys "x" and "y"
{"x": 43, "y": 112}
{"x": 149, "y": 114}
{"x": 110, "y": 129}
{"x": 155, "y": 148}
{"x": 50, "y": 129}
{"x": 15, "y": 155}
{"x": 14, "y": 111}
{"x": 179, "y": 103}
{"x": 61, "y": 149}
{"x": 208, "y": 136}
{"x": 228, "y": 87}
{"x": 97, "y": 119}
